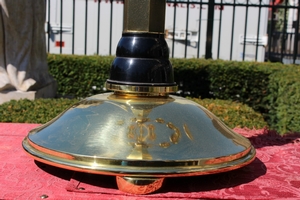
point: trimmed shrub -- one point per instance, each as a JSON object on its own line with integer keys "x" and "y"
{"x": 43, "y": 110}
{"x": 38, "y": 111}
{"x": 233, "y": 114}
{"x": 245, "y": 82}
{"x": 284, "y": 100}
{"x": 79, "y": 76}
{"x": 192, "y": 77}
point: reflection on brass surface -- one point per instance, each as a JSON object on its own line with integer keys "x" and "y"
{"x": 140, "y": 180}
{"x": 149, "y": 145}
{"x": 146, "y": 90}
{"x": 123, "y": 107}
{"x": 140, "y": 152}
{"x": 49, "y": 151}
{"x": 131, "y": 168}
{"x": 131, "y": 132}
{"x": 236, "y": 138}
{"x": 87, "y": 103}
{"x": 120, "y": 122}
{"x": 187, "y": 131}
{"x": 228, "y": 158}
{"x": 136, "y": 99}
{"x": 139, "y": 185}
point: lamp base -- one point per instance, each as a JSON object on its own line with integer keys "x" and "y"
{"x": 140, "y": 140}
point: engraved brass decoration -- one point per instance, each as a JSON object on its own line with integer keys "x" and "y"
{"x": 143, "y": 135}
{"x": 187, "y": 132}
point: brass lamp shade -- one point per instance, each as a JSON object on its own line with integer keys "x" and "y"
{"x": 139, "y": 133}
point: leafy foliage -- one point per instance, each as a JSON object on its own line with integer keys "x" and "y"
{"x": 37, "y": 111}
{"x": 79, "y": 76}
{"x": 192, "y": 77}
{"x": 43, "y": 110}
{"x": 245, "y": 82}
{"x": 233, "y": 114}
{"x": 284, "y": 100}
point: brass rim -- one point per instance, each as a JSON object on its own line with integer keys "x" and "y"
{"x": 149, "y": 90}
{"x": 136, "y": 167}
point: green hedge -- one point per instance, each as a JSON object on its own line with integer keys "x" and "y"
{"x": 284, "y": 100}
{"x": 245, "y": 82}
{"x": 77, "y": 75}
{"x": 259, "y": 85}
{"x": 233, "y": 114}
{"x": 38, "y": 111}
{"x": 43, "y": 110}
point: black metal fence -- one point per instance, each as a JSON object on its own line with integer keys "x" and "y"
{"x": 259, "y": 30}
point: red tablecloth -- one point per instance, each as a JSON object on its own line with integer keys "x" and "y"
{"x": 274, "y": 174}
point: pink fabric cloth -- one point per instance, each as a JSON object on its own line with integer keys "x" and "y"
{"x": 274, "y": 174}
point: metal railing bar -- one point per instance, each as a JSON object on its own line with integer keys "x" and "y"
{"x": 272, "y": 5}
{"x": 61, "y": 21}
{"x": 296, "y": 35}
{"x": 220, "y": 26}
{"x": 257, "y": 5}
{"x": 98, "y": 28}
{"x": 232, "y": 31}
{"x": 48, "y": 27}
{"x": 86, "y": 26}
{"x": 284, "y": 54}
{"x": 237, "y": 4}
{"x": 209, "y": 31}
{"x": 111, "y": 24}
{"x": 186, "y": 28}
{"x": 174, "y": 26}
{"x": 245, "y": 31}
{"x": 284, "y": 33}
{"x": 73, "y": 28}
{"x": 199, "y": 32}
{"x": 270, "y": 32}
{"x": 258, "y": 30}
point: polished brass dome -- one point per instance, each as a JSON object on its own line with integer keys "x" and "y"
{"x": 139, "y": 132}
{"x": 139, "y": 136}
